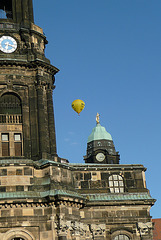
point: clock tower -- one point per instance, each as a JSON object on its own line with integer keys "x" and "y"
{"x": 27, "y": 126}
{"x": 100, "y": 146}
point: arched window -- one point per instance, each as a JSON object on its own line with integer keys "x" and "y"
{"x": 10, "y": 109}
{"x": 6, "y": 9}
{"x": 122, "y": 237}
{"x": 17, "y": 238}
{"x": 11, "y": 114}
{"x": 10, "y": 104}
{"x": 116, "y": 184}
{"x": 18, "y": 234}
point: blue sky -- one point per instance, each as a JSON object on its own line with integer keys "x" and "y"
{"x": 109, "y": 55}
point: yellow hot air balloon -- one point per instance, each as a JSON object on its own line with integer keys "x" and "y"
{"x": 78, "y": 105}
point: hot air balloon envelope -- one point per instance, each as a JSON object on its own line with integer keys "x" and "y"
{"x": 78, "y": 105}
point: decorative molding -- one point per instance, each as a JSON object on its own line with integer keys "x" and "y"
{"x": 26, "y": 205}
{"x": 97, "y": 230}
{"x": 74, "y": 228}
{"x": 79, "y": 229}
{"x": 18, "y": 232}
{"x": 145, "y": 228}
{"x": 71, "y": 203}
{"x": 28, "y": 65}
{"x": 42, "y": 205}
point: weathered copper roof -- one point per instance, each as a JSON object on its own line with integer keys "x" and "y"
{"x": 99, "y": 133}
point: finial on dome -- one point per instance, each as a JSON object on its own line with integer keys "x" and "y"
{"x": 98, "y": 118}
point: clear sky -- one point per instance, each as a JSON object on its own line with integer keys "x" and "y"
{"x": 109, "y": 55}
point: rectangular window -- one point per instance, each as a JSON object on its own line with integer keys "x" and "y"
{"x": 111, "y": 183}
{"x": 116, "y": 184}
{"x": 18, "y": 144}
{"x": 5, "y": 137}
{"x": 117, "y": 190}
{"x": 5, "y": 144}
{"x": 112, "y": 190}
{"x": 121, "y": 190}
{"x": 17, "y": 137}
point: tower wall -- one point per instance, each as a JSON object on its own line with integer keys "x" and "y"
{"x": 33, "y": 85}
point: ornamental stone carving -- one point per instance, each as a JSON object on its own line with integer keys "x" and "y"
{"x": 75, "y": 228}
{"x": 145, "y": 228}
{"x": 98, "y": 229}
{"x": 62, "y": 227}
{"x": 79, "y": 229}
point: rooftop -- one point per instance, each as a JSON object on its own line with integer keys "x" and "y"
{"x": 99, "y": 133}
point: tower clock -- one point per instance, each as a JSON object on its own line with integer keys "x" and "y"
{"x": 8, "y": 44}
{"x": 100, "y": 146}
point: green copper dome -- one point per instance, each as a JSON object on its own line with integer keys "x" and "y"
{"x": 99, "y": 133}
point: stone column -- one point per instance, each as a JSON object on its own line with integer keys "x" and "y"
{"x": 42, "y": 123}
{"x": 33, "y": 123}
{"x": 51, "y": 122}
{"x": 26, "y": 126}
{"x": 17, "y": 7}
{"x": 31, "y": 15}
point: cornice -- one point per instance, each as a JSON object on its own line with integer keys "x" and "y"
{"x": 57, "y": 197}
{"x": 120, "y": 199}
{"x": 43, "y": 163}
{"x": 29, "y": 64}
{"x": 107, "y": 167}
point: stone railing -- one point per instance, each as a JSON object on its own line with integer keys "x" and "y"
{"x": 10, "y": 118}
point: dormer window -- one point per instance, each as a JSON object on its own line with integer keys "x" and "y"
{"x": 6, "y": 9}
{"x": 116, "y": 184}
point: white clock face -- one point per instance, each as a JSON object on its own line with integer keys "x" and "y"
{"x": 100, "y": 157}
{"x": 8, "y": 44}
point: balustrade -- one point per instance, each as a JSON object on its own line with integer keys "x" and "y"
{"x": 10, "y": 118}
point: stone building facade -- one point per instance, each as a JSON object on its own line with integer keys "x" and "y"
{"x": 43, "y": 196}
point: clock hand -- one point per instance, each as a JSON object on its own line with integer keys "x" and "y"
{"x": 7, "y": 44}
{"x": 11, "y": 45}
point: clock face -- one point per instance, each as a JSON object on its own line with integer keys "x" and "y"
{"x": 8, "y": 44}
{"x": 100, "y": 157}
